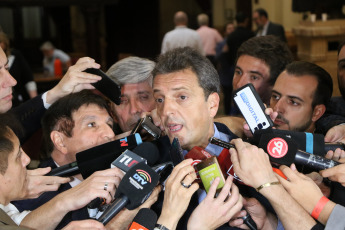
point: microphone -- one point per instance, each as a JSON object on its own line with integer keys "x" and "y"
{"x": 97, "y": 158}
{"x": 197, "y": 153}
{"x": 308, "y": 142}
{"x": 224, "y": 164}
{"x": 133, "y": 190}
{"x": 284, "y": 151}
{"x": 144, "y": 220}
{"x": 146, "y": 152}
{"x": 176, "y": 152}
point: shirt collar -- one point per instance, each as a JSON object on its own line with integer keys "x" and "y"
{"x": 215, "y": 149}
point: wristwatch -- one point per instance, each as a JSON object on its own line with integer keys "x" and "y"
{"x": 160, "y": 227}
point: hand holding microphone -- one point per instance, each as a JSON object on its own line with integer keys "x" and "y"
{"x": 133, "y": 190}
{"x": 302, "y": 188}
{"x": 179, "y": 189}
{"x": 251, "y": 164}
{"x": 37, "y": 183}
{"x": 213, "y": 211}
{"x": 263, "y": 219}
{"x": 100, "y": 184}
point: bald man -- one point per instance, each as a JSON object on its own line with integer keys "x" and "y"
{"x": 182, "y": 36}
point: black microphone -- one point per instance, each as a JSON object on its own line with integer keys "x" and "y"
{"x": 133, "y": 190}
{"x": 146, "y": 152}
{"x": 97, "y": 158}
{"x": 145, "y": 219}
{"x": 308, "y": 142}
{"x": 284, "y": 151}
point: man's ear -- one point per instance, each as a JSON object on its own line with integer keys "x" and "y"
{"x": 319, "y": 110}
{"x": 58, "y": 140}
{"x": 213, "y": 103}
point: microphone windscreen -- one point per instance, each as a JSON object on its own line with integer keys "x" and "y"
{"x": 100, "y": 157}
{"x": 137, "y": 184}
{"x": 257, "y": 135}
{"x": 197, "y": 153}
{"x": 148, "y": 151}
{"x": 281, "y": 150}
{"x": 145, "y": 219}
{"x": 308, "y": 142}
{"x": 176, "y": 152}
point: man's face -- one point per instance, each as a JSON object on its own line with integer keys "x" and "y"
{"x": 253, "y": 70}
{"x": 92, "y": 127}
{"x": 135, "y": 99}
{"x": 229, "y": 29}
{"x": 183, "y": 110}
{"x": 292, "y": 98}
{"x": 14, "y": 180}
{"x": 341, "y": 71}
{"x": 6, "y": 84}
{"x": 258, "y": 20}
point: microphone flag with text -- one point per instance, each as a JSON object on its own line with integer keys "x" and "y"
{"x": 135, "y": 187}
{"x": 97, "y": 158}
{"x": 284, "y": 151}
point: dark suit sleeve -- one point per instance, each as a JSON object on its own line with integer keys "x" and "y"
{"x": 29, "y": 115}
{"x": 281, "y": 33}
{"x": 327, "y": 121}
{"x": 277, "y": 30}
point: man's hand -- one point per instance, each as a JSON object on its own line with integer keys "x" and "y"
{"x": 213, "y": 212}
{"x": 74, "y": 80}
{"x": 336, "y": 173}
{"x": 268, "y": 111}
{"x": 261, "y": 217}
{"x": 37, "y": 183}
{"x": 318, "y": 179}
{"x": 251, "y": 164}
{"x": 300, "y": 187}
{"x": 337, "y": 155}
{"x": 336, "y": 134}
{"x": 84, "y": 225}
{"x": 125, "y": 216}
{"x": 176, "y": 196}
{"x": 100, "y": 184}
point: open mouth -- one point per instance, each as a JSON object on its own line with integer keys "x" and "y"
{"x": 174, "y": 127}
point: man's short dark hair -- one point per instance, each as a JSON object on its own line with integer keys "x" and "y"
{"x": 188, "y": 58}
{"x": 262, "y": 12}
{"x": 271, "y": 50}
{"x": 6, "y": 147}
{"x": 59, "y": 115}
{"x": 241, "y": 17}
{"x": 9, "y": 125}
{"x": 324, "y": 90}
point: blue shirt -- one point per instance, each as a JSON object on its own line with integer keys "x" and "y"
{"x": 214, "y": 150}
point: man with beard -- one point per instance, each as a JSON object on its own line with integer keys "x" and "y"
{"x": 300, "y": 95}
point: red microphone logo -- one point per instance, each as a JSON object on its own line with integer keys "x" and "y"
{"x": 277, "y": 147}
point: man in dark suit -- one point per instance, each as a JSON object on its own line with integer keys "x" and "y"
{"x": 13, "y": 177}
{"x": 186, "y": 88}
{"x": 266, "y": 27}
{"x": 29, "y": 114}
{"x": 72, "y": 124}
